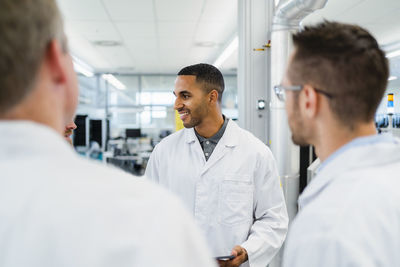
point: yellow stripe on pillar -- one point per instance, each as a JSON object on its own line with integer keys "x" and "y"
{"x": 178, "y": 122}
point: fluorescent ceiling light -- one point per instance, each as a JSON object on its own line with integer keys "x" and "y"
{"x": 82, "y": 67}
{"x": 395, "y": 53}
{"x": 114, "y": 81}
{"x": 227, "y": 52}
{"x": 391, "y": 78}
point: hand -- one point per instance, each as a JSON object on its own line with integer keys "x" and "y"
{"x": 240, "y": 257}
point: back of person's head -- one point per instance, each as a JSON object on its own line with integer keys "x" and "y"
{"x": 208, "y": 76}
{"x": 26, "y": 28}
{"x": 345, "y": 61}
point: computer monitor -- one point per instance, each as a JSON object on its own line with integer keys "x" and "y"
{"x": 80, "y": 132}
{"x": 133, "y": 133}
{"x": 96, "y": 131}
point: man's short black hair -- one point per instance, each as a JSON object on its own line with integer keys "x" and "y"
{"x": 346, "y": 61}
{"x": 208, "y": 76}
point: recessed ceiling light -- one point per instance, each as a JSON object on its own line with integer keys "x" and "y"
{"x": 205, "y": 44}
{"x": 125, "y": 69}
{"x": 82, "y": 67}
{"x": 107, "y": 43}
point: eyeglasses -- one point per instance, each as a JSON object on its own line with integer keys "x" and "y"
{"x": 280, "y": 91}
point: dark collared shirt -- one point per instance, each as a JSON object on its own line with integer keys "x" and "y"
{"x": 208, "y": 144}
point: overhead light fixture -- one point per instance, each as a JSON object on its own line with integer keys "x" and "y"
{"x": 233, "y": 45}
{"x": 393, "y": 54}
{"x": 205, "y": 44}
{"x": 107, "y": 43}
{"x": 82, "y": 67}
{"x": 391, "y": 78}
{"x": 114, "y": 81}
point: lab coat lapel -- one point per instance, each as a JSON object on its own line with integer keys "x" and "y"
{"x": 361, "y": 157}
{"x": 193, "y": 142}
{"x": 228, "y": 141}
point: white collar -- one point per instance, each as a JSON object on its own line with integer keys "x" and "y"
{"x": 19, "y": 137}
{"x": 229, "y": 138}
{"x": 360, "y": 154}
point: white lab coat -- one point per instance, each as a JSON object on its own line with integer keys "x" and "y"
{"x": 235, "y": 196}
{"x": 350, "y": 213}
{"x": 58, "y": 209}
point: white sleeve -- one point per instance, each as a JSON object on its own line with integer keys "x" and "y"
{"x": 270, "y": 215}
{"x": 152, "y": 166}
{"x": 323, "y": 249}
{"x": 176, "y": 239}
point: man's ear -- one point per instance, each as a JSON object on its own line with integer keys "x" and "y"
{"x": 309, "y": 100}
{"x": 213, "y": 96}
{"x": 54, "y": 60}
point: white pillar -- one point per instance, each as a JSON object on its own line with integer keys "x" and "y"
{"x": 255, "y": 19}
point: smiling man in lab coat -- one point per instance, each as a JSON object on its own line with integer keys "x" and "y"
{"x": 350, "y": 213}
{"x": 226, "y": 177}
{"x": 56, "y": 208}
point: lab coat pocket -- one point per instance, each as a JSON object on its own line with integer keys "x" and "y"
{"x": 235, "y": 205}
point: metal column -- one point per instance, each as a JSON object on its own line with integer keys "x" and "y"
{"x": 255, "y": 18}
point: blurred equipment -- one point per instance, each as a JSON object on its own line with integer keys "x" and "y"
{"x": 390, "y": 121}
{"x": 133, "y": 133}
{"x": 130, "y": 153}
{"x": 390, "y": 104}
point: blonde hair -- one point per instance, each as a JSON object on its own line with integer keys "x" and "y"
{"x": 26, "y": 29}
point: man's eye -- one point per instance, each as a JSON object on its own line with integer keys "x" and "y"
{"x": 185, "y": 96}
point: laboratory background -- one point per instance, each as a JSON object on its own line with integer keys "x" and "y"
{"x": 127, "y": 54}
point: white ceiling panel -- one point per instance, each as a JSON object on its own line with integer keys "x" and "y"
{"x": 167, "y": 58}
{"x": 83, "y": 10}
{"x": 132, "y": 10}
{"x": 215, "y": 31}
{"x": 85, "y": 51}
{"x": 365, "y": 12}
{"x": 178, "y": 9}
{"x": 385, "y": 33}
{"x": 175, "y": 45}
{"x": 201, "y": 55}
{"x": 143, "y": 46}
{"x": 219, "y": 10}
{"x": 387, "y": 28}
{"x": 331, "y": 11}
{"x": 163, "y": 35}
{"x": 176, "y": 29}
{"x": 146, "y": 58}
{"x": 118, "y": 57}
{"x": 379, "y": 17}
{"x": 156, "y": 35}
{"x": 130, "y": 31}
{"x": 95, "y": 30}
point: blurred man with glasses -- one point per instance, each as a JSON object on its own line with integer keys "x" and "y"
{"x": 350, "y": 213}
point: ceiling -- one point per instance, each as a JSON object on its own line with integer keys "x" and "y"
{"x": 162, "y": 36}
{"x": 154, "y": 36}
{"x": 381, "y": 18}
